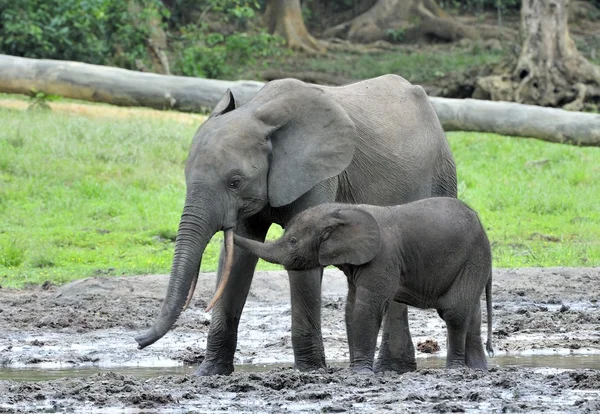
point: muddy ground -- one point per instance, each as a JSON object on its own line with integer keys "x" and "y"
{"x": 71, "y": 348}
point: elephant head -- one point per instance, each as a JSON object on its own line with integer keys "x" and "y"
{"x": 266, "y": 153}
{"x": 328, "y": 234}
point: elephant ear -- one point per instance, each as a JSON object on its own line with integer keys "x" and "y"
{"x": 226, "y": 104}
{"x": 312, "y": 139}
{"x": 353, "y": 238}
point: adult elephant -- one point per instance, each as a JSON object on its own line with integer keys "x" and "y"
{"x": 291, "y": 147}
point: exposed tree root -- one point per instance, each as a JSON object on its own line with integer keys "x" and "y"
{"x": 415, "y": 18}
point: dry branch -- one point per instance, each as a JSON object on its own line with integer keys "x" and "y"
{"x": 128, "y": 88}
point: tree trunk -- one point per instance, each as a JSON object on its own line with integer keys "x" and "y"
{"x": 128, "y": 88}
{"x": 549, "y": 71}
{"x": 157, "y": 41}
{"x": 412, "y": 18}
{"x": 284, "y": 17}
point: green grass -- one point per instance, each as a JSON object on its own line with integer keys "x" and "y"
{"x": 539, "y": 202}
{"x": 425, "y": 65}
{"x": 87, "y": 196}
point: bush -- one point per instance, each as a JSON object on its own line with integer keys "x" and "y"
{"x": 93, "y": 31}
{"x": 215, "y": 55}
{"x": 190, "y": 11}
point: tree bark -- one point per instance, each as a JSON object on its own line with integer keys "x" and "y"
{"x": 549, "y": 71}
{"x": 129, "y": 88}
{"x": 415, "y": 18}
{"x": 284, "y": 17}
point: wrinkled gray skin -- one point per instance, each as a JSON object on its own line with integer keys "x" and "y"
{"x": 291, "y": 147}
{"x": 431, "y": 253}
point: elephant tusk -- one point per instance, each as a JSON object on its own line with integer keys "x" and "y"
{"x": 191, "y": 293}
{"x": 226, "y": 271}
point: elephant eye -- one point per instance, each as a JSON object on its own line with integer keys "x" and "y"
{"x": 293, "y": 241}
{"x": 235, "y": 183}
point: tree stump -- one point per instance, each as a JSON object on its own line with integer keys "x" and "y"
{"x": 549, "y": 70}
{"x": 284, "y": 17}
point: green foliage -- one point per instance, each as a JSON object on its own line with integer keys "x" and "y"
{"x": 395, "y": 36}
{"x": 239, "y": 12}
{"x": 84, "y": 196}
{"x": 219, "y": 42}
{"x": 213, "y": 55}
{"x": 39, "y": 100}
{"x": 93, "y": 31}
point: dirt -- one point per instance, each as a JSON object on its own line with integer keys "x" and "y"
{"x": 544, "y": 319}
{"x": 105, "y": 111}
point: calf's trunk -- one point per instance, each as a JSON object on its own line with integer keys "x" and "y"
{"x": 266, "y": 251}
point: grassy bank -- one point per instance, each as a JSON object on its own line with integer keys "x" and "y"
{"x": 84, "y": 195}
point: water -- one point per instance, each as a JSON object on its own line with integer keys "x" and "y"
{"x": 580, "y": 361}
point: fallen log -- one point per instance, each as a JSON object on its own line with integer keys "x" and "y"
{"x": 117, "y": 86}
{"x": 129, "y": 88}
{"x": 528, "y": 121}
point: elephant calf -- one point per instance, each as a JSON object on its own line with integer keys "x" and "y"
{"x": 432, "y": 253}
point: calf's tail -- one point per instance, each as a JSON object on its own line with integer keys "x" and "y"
{"x": 488, "y": 302}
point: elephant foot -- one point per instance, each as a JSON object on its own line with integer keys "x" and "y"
{"x": 210, "y": 368}
{"x": 309, "y": 366}
{"x": 399, "y": 366}
{"x": 309, "y": 354}
{"x": 455, "y": 363}
{"x": 362, "y": 370}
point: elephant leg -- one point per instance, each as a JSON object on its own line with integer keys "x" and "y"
{"x": 307, "y": 341}
{"x": 475, "y": 355}
{"x": 305, "y": 290}
{"x": 222, "y": 335}
{"x": 457, "y": 324}
{"x": 349, "y": 315}
{"x": 397, "y": 351}
{"x": 366, "y": 321}
{"x": 456, "y": 346}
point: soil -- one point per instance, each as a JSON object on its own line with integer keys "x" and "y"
{"x": 90, "y": 109}
{"x": 83, "y": 332}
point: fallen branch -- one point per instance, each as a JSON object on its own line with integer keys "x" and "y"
{"x": 129, "y": 88}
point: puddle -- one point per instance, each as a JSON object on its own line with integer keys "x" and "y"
{"x": 579, "y": 361}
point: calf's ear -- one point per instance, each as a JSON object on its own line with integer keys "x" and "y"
{"x": 353, "y": 238}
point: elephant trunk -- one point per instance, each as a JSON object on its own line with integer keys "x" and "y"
{"x": 195, "y": 231}
{"x": 266, "y": 251}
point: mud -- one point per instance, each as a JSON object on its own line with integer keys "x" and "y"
{"x": 71, "y": 348}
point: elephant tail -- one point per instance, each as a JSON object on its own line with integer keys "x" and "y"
{"x": 488, "y": 302}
